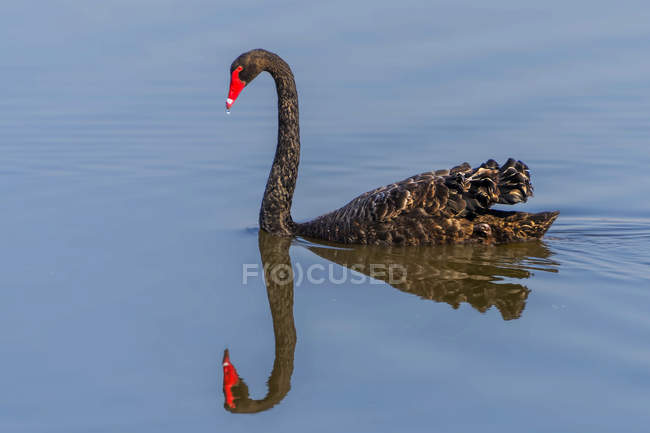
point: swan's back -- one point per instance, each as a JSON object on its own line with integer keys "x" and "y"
{"x": 444, "y": 206}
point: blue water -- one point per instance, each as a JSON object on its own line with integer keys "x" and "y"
{"x": 129, "y": 204}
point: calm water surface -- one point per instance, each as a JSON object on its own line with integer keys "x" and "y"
{"x": 129, "y": 207}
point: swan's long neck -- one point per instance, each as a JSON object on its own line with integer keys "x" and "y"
{"x": 275, "y": 213}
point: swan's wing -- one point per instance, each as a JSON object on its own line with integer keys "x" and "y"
{"x": 456, "y": 192}
{"x": 514, "y": 182}
{"x": 490, "y": 184}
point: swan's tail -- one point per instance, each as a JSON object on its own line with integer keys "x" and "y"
{"x": 514, "y": 226}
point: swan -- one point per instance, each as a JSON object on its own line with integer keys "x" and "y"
{"x": 435, "y": 207}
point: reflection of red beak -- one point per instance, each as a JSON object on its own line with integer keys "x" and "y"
{"x": 236, "y": 86}
{"x": 230, "y": 379}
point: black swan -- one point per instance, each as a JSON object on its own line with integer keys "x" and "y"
{"x": 443, "y": 206}
{"x": 453, "y": 274}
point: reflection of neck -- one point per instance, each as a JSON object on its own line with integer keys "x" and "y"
{"x": 275, "y": 257}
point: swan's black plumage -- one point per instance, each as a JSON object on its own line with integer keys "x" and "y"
{"x": 443, "y": 206}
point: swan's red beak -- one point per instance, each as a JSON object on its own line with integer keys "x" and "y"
{"x": 230, "y": 379}
{"x": 236, "y": 86}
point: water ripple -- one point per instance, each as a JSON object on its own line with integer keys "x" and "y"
{"x": 610, "y": 247}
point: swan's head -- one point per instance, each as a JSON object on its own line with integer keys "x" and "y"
{"x": 243, "y": 70}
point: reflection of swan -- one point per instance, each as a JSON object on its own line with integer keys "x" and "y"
{"x": 443, "y": 206}
{"x": 451, "y": 274}
{"x": 274, "y": 251}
